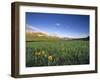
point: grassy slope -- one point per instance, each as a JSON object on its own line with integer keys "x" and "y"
{"x": 64, "y": 53}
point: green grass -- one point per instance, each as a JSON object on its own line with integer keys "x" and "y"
{"x": 54, "y": 53}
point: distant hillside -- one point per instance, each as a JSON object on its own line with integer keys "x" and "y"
{"x": 85, "y": 38}
{"x": 39, "y": 36}
{"x": 35, "y": 34}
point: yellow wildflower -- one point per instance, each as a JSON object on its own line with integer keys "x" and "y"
{"x": 50, "y": 58}
{"x": 45, "y": 55}
{"x": 43, "y": 52}
{"x": 38, "y": 53}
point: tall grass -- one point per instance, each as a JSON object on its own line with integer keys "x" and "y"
{"x": 53, "y": 53}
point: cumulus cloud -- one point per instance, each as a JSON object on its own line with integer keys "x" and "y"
{"x": 30, "y": 28}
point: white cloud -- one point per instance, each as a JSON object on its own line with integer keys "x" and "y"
{"x": 30, "y": 28}
{"x": 57, "y": 24}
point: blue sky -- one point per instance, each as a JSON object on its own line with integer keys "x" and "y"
{"x": 64, "y": 25}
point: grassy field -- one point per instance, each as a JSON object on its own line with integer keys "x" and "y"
{"x": 53, "y": 53}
